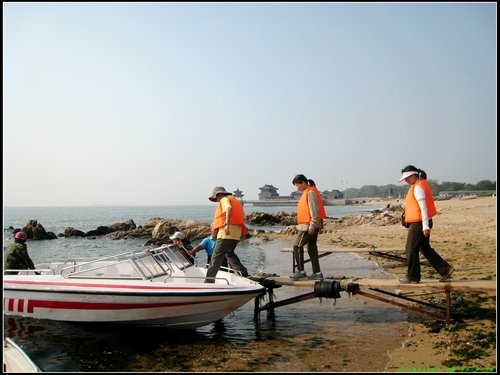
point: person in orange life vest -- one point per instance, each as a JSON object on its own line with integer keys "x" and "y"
{"x": 310, "y": 215}
{"x": 322, "y": 215}
{"x": 228, "y": 226}
{"x": 322, "y": 211}
{"x": 418, "y": 212}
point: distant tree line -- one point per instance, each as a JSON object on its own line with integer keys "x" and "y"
{"x": 399, "y": 191}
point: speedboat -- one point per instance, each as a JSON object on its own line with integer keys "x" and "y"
{"x": 157, "y": 286}
{"x": 15, "y": 359}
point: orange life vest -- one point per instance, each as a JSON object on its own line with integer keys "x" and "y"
{"x": 321, "y": 205}
{"x": 237, "y": 215}
{"x": 303, "y": 214}
{"x": 412, "y": 210}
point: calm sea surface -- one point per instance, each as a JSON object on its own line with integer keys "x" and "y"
{"x": 86, "y": 218}
{"x": 311, "y": 335}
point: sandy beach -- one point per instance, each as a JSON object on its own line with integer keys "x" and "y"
{"x": 464, "y": 234}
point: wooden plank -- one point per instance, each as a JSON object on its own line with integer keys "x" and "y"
{"x": 432, "y": 283}
{"x": 394, "y": 283}
{"x": 333, "y": 249}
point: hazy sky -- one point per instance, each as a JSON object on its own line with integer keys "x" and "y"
{"x": 157, "y": 103}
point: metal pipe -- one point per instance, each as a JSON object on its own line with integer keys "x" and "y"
{"x": 396, "y": 303}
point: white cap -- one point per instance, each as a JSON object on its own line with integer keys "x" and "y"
{"x": 178, "y": 235}
{"x": 405, "y": 175}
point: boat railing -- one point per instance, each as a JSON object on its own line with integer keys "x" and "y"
{"x": 228, "y": 269}
{"x": 172, "y": 278}
{"x": 149, "y": 264}
{"x": 110, "y": 270}
{"x": 80, "y": 267}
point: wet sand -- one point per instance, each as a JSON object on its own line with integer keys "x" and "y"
{"x": 465, "y": 235}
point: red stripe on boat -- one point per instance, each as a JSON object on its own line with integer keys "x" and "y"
{"x": 68, "y": 305}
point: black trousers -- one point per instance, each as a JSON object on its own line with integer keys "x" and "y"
{"x": 416, "y": 242}
{"x": 224, "y": 248}
{"x": 304, "y": 238}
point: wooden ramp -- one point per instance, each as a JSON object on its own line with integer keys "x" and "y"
{"x": 462, "y": 284}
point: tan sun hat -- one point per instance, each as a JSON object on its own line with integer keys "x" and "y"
{"x": 218, "y": 190}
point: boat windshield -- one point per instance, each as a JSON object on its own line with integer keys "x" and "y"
{"x": 171, "y": 254}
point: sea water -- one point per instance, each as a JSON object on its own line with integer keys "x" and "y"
{"x": 86, "y": 218}
{"x": 346, "y": 327}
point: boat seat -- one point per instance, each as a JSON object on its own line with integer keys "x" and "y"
{"x": 112, "y": 271}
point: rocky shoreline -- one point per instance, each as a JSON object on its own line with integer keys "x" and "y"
{"x": 156, "y": 231}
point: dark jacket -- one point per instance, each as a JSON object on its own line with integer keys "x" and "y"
{"x": 16, "y": 257}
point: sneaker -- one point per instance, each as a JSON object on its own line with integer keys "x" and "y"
{"x": 405, "y": 280}
{"x": 298, "y": 275}
{"x": 445, "y": 276}
{"x": 316, "y": 276}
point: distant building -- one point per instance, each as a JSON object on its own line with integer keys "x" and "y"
{"x": 268, "y": 192}
{"x": 238, "y": 194}
{"x": 269, "y": 196}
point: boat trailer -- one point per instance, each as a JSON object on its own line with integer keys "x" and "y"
{"x": 332, "y": 289}
{"x": 322, "y": 289}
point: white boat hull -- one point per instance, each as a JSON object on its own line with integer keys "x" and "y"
{"x": 184, "y": 301}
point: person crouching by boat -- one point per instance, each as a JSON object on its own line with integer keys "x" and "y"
{"x": 310, "y": 215}
{"x": 207, "y": 244}
{"x": 228, "y": 227}
{"x": 16, "y": 255}
{"x": 179, "y": 239}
